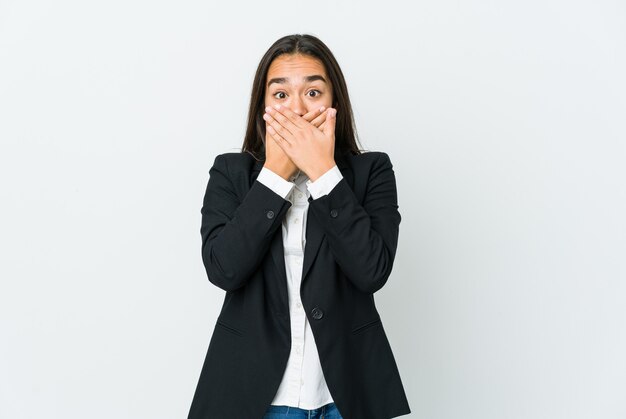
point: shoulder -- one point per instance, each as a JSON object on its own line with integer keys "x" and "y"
{"x": 235, "y": 161}
{"x": 234, "y": 157}
{"x": 369, "y": 161}
{"x": 374, "y": 156}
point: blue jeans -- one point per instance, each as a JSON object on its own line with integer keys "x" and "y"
{"x": 328, "y": 411}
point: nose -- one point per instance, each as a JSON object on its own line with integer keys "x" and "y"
{"x": 297, "y": 106}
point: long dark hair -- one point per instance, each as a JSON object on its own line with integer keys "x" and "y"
{"x": 345, "y": 129}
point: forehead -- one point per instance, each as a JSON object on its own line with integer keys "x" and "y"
{"x": 287, "y": 65}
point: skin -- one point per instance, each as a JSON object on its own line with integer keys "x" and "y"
{"x": 299, "y": 120}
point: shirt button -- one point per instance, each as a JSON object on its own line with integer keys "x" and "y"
{"x": 333, "y": 213}
{"x": 298, "y": 304}
{"x": 296, "y": 220}
{"x": 299, "y": 195}
{"x": 270, "y": 214}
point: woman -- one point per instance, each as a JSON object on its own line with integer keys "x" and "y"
{"x": 300, "y": 229}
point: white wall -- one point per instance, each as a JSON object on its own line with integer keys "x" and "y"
{"x": 505, "y": 122}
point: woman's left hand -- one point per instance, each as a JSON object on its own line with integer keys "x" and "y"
{"x": 308, "y": 147}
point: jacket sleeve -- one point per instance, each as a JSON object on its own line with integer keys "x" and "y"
{"x": 236, "y": 233}
{"x": 363, "y": 238}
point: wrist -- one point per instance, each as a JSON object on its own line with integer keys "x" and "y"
{"x": 285, "y": 171}
{"x": 321, "y": 169}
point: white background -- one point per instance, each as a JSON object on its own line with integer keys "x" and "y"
{"x": 505, "y": 122}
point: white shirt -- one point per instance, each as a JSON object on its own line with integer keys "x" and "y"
{"x": 303, "y": 384}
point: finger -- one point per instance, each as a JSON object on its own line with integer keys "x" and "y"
{"x": 281, "y": 119}
{"x": 277, "y": 137}
{"x": 314, "y": 114}
{"x": 290, "y": 117}
{"x": 319, "y": 120}
{"x": 278, "y": 128}
{"x": 329, "y": 126}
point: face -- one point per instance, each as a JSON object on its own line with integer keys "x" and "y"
{"x": 299, "y": 82}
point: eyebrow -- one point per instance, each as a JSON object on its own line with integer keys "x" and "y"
{"x": 308, "y": 79}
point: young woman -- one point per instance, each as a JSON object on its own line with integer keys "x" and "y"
{"x": 300, "y": 229}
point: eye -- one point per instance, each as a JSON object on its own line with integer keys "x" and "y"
{"x": 279, "y": 93}
{"x": 314, "y": 90}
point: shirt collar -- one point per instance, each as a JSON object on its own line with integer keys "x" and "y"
{"x": 299, "y": 178}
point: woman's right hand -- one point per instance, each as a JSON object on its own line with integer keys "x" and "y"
{"x": 275, "y": 158}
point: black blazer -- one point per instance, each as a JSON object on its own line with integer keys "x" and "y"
{"x": 351, "y": 240}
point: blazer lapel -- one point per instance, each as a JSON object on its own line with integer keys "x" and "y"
{"x": 314, "y": 233}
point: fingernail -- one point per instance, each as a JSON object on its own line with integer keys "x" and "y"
{"x": 267, "y": 109}
{"x": 322, "y": 109}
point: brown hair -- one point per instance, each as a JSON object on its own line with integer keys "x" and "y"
{"x": 345, "y": 129}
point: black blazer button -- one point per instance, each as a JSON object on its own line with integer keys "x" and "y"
{"x": 317, "y": 313}
{"x": 333, "y": 213}
{"x": 270, "y": 214}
